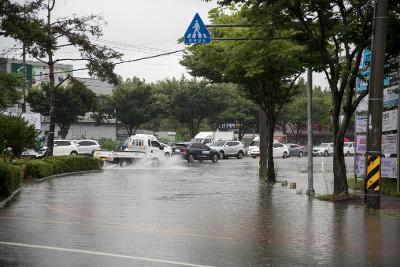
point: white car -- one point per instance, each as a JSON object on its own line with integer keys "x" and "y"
{"x": 64, "y": 147}
{"x": 279, "y": 150}
{"x": 348, "y": 148}
{"x": 87, "y": 147}
{"x": 324, "y": 149}
{"x": 229, "y": 149}
{"x": 167, "y": 149}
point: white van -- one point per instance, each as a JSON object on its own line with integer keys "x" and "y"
{"x": 140, "y": 147}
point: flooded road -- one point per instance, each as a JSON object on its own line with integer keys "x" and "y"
{"x": 202, "y": 214}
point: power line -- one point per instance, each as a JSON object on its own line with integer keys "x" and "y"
{"x": 118, "y": 63}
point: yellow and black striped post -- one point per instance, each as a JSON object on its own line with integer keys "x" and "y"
{"x": 374, "y": 173}
{"x": 373, "y": 181}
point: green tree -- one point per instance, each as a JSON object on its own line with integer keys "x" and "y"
{"x": 72, "y": 101}
{"x": 9, "y": 93}
{"x": 266, "y": 70}
{"x": 294, "y": 115}
{"x": 72, "y": 31}
{"x": 15, "y": 133}
{"x": 195, "y": 101}
{"x": 133, "y": 101}
{"x": 335, "y": 34}
{"x": 240, "y": 110}
{"x": 104, "y": 110}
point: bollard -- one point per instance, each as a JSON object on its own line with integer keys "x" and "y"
{"x": 292, "y": 185}
{"x": 284, "y": 183}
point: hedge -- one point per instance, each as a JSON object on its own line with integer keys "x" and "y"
{"x": 58, "y": 165}
{"x": 10, "y": 179}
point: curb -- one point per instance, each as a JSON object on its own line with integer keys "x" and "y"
{"x": 8, "y": 199}
{"x": 65, "y": 174}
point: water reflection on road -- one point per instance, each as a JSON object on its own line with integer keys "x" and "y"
{"x": 200, "y": 214}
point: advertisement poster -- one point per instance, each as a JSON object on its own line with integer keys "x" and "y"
{"x": 360, "y": 165}
{"x": 40, "y": 74}
{"x": 361, "y": 123}
{"x": 389, "y": 143}
{"x": 361, "y": 143}
{"x": 363, "y": 105}
{"x": 390, "y": 97}
{"x": 389, "y": 120}
{"x": 389, "y": 168}
{"x": 20, "y": 70}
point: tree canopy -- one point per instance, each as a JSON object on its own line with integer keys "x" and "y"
{"x": 9, "y": 89}
{"x": 73, "y": 101}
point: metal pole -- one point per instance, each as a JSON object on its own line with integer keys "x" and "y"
{"x": 310, "y": 190}
{"x": 374, "y": 134}
{"x": 398, "y": 130}
{"x": 25, "y": 78}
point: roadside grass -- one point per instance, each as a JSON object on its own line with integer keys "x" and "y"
{"x": 388, "y": 186}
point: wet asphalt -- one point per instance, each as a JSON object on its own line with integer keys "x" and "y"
{"x": 202, "y": 214}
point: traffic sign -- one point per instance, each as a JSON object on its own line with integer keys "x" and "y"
{"x": 197, "y": 32}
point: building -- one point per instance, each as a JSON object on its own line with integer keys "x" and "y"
{"x": 37, "y": 72}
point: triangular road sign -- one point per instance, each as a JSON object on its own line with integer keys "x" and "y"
{"x": 197, "y": 32}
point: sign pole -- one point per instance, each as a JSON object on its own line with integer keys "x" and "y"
{"x": 374, "y": 133}
{"x": 310, "y": 191}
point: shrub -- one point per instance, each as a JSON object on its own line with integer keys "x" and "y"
{"x": 38, "y": 169}
{"x": 16, "y": 134}
{"x": 57, "y": 165}
{"x": 10, "y": 179}
{"x": 109, "y": 144}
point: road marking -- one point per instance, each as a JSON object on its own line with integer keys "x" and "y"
{"x": 90, "y": 252}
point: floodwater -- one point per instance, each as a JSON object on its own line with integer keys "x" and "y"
{"x": 202, "y": 214}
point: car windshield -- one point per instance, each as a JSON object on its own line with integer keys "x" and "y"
{"x": 255, "y": 143}
{"x": 324, "y": 145}
{"x": 219, "y": 143}
{"x": 197, "y": 140}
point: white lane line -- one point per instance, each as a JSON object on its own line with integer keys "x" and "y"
{"x": 102, "y": 254}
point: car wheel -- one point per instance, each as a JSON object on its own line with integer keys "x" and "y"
{"x": 167, "y": 155}
{"x": 155, "y": 162}
{"x": 300, "y": 154}
{"x": 123, "y": 163}
{"x": 253, "y": 157}
{"x": 214, "y": 158}
{"x": 190, "y": 158}
{"x": 326, "y": 153}
{"x": 240, "y": 155}
{"x": 285, "y": 154}
{"x": 74, "y": 153}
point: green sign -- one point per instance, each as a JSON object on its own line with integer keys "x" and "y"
{"x": 22, "y": 70}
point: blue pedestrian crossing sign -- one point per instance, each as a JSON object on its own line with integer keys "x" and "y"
{"x": 197, "y": 32}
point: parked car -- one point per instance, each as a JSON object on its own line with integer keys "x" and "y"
{"x": 179, "y": 148}
{"x": 254, "y": 148}
{"x": 62, "y": 148}
{"x": 324, "y": 149}
{"x": 199, "y": 151}
{"x": 348, "y": 148}
{"x": 87, "y": 147}
{"x": 295, "y": 150}
{"x": 229, "y": 149}
{"x": 278, "y": 150}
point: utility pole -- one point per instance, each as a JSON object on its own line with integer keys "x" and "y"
{"x": 310, "y": 191}
{"x": 374, "y": 133}
{"x": 25, "y": 78}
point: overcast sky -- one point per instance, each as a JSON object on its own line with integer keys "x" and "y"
{"x": 139, "y": 28}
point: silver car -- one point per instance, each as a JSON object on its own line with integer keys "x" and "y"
{"x": 229, "y": 149}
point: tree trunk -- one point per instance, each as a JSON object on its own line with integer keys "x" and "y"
{"x": 52, "y": 113}
{"x": 270, "y": 125}
{"x": 339, "y": 167}
{"x": 64, "y": 130}
{"x": 262, "y": 172}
